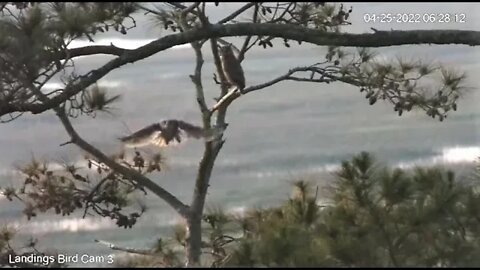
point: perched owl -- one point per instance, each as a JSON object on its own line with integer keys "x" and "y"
{"x": 231, "y": 67}
{"x": 170, "y": 131}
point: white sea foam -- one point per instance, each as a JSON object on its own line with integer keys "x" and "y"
{"x": 460, "y": 154}
{"x": 239, "y": 210}
{"x": 282, "y": 173}
{"x": 189, "y": 162}
{"x": 66, "y": 224}
{"x": 448, "y": 155}
{"x": 57, "y": 85}
{"x": 79, "y": 224}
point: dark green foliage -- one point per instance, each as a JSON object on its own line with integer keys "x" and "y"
{"x": 34, "y": 39}
{"x": 97, "y": 99}
{"x": 93, "y": 187}
{"x": 376, "y": 217}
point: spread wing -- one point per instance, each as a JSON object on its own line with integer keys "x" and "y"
{"x": 191, "y": 130}
{"x": 167, "y": 133}
{"x": 198, "y": 132}
{"x": 144, "y": 136}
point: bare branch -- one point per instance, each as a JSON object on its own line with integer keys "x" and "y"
{"x": 65, "y": 143}
{"x": 196, "y": 79}
{"x": 293, "y": 32}
{"x": 234, "y": 94}
{"x": 237, "y": 12}
{"x": 226, "y": 100}
{"x": 92, "y": 50}
{"x": 245, "y": 47}
{"x": 148, "y": 10}
{"x": 290, "y": 78}
{"x": 97, "y": 186}
{"x": 181, "y": 6}
{"x": 197, "y": 76}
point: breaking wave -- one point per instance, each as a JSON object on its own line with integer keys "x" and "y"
{"x": 283, "y": 173}
{"x": 68, "y": 224}
{"x": 78, "y": 224}
{"x": 448, "y": 155}
{"x": 57, "y": 85}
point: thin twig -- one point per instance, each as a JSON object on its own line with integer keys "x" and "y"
{"x": 237, "y": 12}
{"x": 234, "y": 94}
{"x": 245, "y": 47}
{"x": 65, "y": 143}
{"x": 197, "y": 79}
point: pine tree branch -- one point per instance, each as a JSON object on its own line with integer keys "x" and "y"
{"x": 293, "y": 32}
{"x": 148, "y": 10}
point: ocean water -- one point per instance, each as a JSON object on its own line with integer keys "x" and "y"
{"x": 288, "y": 130}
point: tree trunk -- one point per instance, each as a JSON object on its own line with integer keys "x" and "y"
{"x": 194, "y": 241}
{"x": 194, "y": 221}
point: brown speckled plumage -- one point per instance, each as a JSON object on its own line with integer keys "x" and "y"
{"x": 231, "y": 67}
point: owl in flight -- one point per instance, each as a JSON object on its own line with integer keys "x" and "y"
{"x": 170, "y": 132}
{"x": 231, "y": 67}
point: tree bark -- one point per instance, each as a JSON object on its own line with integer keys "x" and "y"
{"x": 194, "y": 221}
